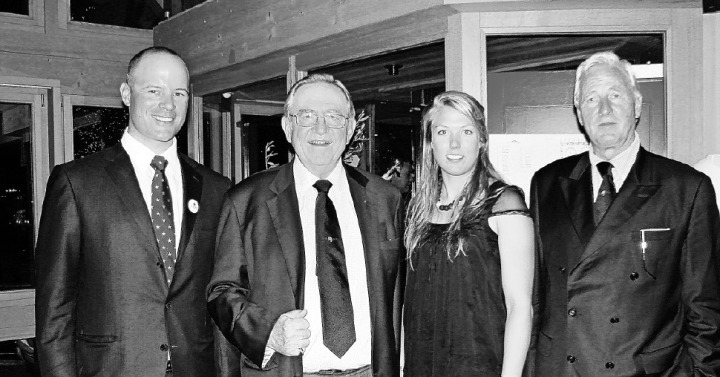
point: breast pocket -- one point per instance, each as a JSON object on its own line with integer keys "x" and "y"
{"x": 653, "y": 249}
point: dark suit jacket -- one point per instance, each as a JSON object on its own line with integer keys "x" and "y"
{"x": 103, "y": 307}
{"x": 606, "y": 309}
{"x": 260, "y": 266}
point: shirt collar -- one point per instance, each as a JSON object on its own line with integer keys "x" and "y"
{"x": 141, "y": 155}
{"x": 624, "y": 158}
{"x": 305, "y": 180}
{"x": 622, "y": 163}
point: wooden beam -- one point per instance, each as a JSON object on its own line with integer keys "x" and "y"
{"x": 247, "y": 56}
{"x": 465, "y": 56}
{"x": 224, "y": 32}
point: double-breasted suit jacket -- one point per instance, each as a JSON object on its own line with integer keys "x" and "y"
{"x": 613, "y": 305}
{"x": 260, "y": 266}
{"x": 103, "y": 305}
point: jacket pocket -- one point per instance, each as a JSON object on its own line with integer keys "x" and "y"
{"x": 272, "y": 363}
{"x": 659, "y": 360}
{"x": 652, "y": 248}
{"x": 90, "y": 338}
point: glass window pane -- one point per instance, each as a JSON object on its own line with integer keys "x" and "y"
{"x": 212, "y": 139}
{"x": 267, "y": 145}
{"x": 16, "y": 191}
{"x": 15, "y": 6}
{"x": 96, "y": 128}
{"x": 140, "y": 14}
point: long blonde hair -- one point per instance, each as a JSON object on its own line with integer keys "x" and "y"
{"x": 429, "y": 180}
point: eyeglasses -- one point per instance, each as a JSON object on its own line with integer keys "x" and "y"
{"x": 309, "y": 118}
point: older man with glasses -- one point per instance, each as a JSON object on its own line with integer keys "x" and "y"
{"x": 309, "y": 255}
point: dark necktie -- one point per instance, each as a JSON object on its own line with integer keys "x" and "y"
{"x": 162, "y": 217}
{"x": 606, "y": 193}
{"x": 335, "y": 303}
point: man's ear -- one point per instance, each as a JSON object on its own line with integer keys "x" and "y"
{"x": 350, "y": 130}
{"x": 125, "y": 93}
{"x": 287, "y": 127}
{"x": 578, "y": 112}
{"x": 638, "y": 104}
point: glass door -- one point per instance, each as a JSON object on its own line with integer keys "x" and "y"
{"x": 24, "y": 171}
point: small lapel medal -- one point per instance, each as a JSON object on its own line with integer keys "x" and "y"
{"x": 193, "y": 205}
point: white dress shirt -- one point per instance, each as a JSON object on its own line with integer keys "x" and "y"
{"x": 140, "y": 157}
{"x": 622, "y": 163}
{"x": 317, "y": 357}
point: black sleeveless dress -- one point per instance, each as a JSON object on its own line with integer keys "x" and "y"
{"x": 454, "y": 316}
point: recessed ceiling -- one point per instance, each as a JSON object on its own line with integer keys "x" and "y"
{"x": 423, "y": 67}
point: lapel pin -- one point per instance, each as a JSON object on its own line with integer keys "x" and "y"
{"x": 193, "y": 206}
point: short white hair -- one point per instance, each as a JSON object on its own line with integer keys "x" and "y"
{"x": 603, "y": 58}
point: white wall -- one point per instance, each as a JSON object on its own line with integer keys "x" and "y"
{"x": 711, "y": 82}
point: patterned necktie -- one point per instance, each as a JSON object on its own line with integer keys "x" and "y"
{"x": 162, "y": 217}
{"x": 335, "y": 303}
{"x": 606, "y": 193}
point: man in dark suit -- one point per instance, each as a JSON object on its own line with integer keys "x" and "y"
{"x": 125, "y": 249}
{"x": 270, "y": 283}
{"x": 629, "y": 247}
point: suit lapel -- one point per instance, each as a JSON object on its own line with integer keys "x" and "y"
{"x": 366, "y": 216}
{"x": 285, "y": 214}
{"x": 121, "y": 172}
{"x": 577, "y": 190}
{"x": 192, "y": 189}
{"x": 639, "y": 187}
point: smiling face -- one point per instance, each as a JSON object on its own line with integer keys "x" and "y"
{"x": 608, "y": 108}
{"x": 157, "y": 98}
{"x": 455, "y": 143}
{"x": 318, "y": 147}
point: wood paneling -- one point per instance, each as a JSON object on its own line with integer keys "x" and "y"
{"x": 251, "y": 42}
{"x": 225, "y": 32}
{"x": 87, "y": 59}
{"x": 17, "y": 311}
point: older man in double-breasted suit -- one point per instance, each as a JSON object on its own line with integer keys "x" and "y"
{"x": 629, "y": 247}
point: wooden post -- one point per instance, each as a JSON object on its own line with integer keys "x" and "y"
{"x": 293, "y": 74}
{"x": 465, "y": 56}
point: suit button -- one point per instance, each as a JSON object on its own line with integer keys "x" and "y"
{"x": 634, "y": 276}
{"x": 572, "y": 312}
{"x": 614, "y": 320}
{"x": 168, "y": 305}
{"x": 164, "y": 347}
{"x": 571, "y": 359}
{"x": 562, "y": 270}
{"x": 609, "y": 365}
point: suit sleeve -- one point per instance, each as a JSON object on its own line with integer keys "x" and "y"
{"x": 57, "y": 267}
{"x": 246, "y": 325}
{"x": 700, "y": 266}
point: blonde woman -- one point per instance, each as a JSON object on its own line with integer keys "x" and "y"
{"x": 470, "y": 248}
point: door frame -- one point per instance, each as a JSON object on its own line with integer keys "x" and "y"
{"x": 17, "y": 307}
{"x": 466, "y": 59}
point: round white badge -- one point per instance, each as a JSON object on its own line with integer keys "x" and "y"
{"x": 193, "y": 205}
